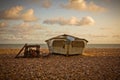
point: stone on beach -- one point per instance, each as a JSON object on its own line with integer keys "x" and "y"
{"x": 102, "y": 65}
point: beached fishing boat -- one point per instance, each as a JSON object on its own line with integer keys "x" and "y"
{"x": 66, "y": 44}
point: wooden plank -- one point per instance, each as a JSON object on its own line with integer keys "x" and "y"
{"x": 20, "y": 51}
{"x": 33, "y": 45}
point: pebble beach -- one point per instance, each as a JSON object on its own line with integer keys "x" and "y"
{"x": 94, "y": 64}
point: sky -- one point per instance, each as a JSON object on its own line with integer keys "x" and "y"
{"x": 34, "y": 21}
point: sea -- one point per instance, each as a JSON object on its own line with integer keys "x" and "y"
{"x": 14, "y": 46}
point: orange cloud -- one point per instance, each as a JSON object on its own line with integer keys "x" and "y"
{"x": 87, "y": 21}
{"x": 3, "y": 24}
{"x": 12, "y": 13}
{"x": 29, "y": 15}
{"x": 82, "y": 5}
{"x": 28, "y": 28}
{"x": 72, "y": 21}
{"x": 46, "y": 4}
{"x": 24, "y": 31}
{"x": 15, "y": 13}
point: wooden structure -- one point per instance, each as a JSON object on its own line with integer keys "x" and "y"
{"x": 30, "y": 51}
{"x": 66, "y": 44}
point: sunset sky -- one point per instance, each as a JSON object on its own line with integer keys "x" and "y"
{"x": 34, "y": 21}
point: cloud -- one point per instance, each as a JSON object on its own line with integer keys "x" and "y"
{"x": 30, "y": 29}
{"x": 107, "y": 0}
{"x": 116, "y": 36}
{"x": 16, "y": 13}
{"x": 24, "y": 32}
{"x": 83, "y": 5}
{"x": 72, "y": 21}
{"x": 29, "y": 16}
{"x": 87, "y": 21}
{"x": 25, "y": 28}
{"x": 12, "y": 13}
{"x": 46, "y": 4}
{"x": 3, "y": 24}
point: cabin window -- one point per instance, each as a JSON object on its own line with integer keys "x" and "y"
{"x": 80, "y": 44}
{"x": 58, "y": 43}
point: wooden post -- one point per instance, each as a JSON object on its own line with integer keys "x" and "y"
{"x": 49, "y": 47}
{"x": 67, "y": 50}
{"x": 68, "y": 44}
{"x": 20, "y": 51}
